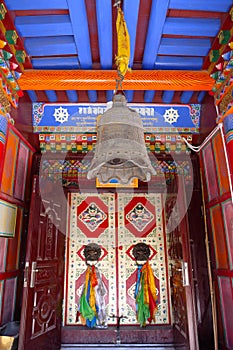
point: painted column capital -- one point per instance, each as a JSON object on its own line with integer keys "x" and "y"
{"x": 228, "y": 127}
{"x": 228, "y": 131}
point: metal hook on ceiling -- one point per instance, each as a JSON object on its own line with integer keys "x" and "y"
{"x": 117, "y": 3}
{"x": 119, "y": 80}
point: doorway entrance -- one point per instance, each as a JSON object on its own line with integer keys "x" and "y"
{"x": 116, "y": 222}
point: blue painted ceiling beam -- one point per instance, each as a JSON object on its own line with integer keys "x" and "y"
{"x": 157, "y": 15}
{"x": 179, "y": 63}
{"x": 79, "y": 23}
{"x": 109, "y": 95}
{"x": 56, "y": 63}
{"x": 50, "y": 46}
{"x": 149, "y": 96}
{"x": 38, "y": 26}
{"x": 131, "y": 9}
{"x": 104, "y": 17}
{"x": 32, "y": 95}
{"x": 36, "y": 5}
{"x": 192, "y": 26}
{"x": 52, "y": 96}
{"x": 186, "y": 96}
{"x": 167, "y": 96}
{"x": 78, "y": 16}
{"x": 129, "y": 95}
{"x": 201, "y": 95}
{"x": 156, "y": 22}
{"x": 201, "y": 5}
{"x": 184, "y": 47}
{"x": 92, "y": 94}
{"x": 72, "y": 96}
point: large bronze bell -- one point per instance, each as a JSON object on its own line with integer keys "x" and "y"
{"x": 120, "y": 151}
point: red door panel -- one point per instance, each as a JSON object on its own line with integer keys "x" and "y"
{"x": 43, "y": 281}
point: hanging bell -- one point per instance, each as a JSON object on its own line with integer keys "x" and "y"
{"x": 120, "y": 151}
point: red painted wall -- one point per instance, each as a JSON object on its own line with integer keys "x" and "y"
{"x": 219, "y": 210}
{"x": 15, "y": 167}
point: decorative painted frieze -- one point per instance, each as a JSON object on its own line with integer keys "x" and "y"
{"x": 76, "y": 118}
{"x": 12, "y": 58}
{"x": 221, "y": 68}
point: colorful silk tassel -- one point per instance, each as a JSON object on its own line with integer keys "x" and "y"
{"x": 91, "y": 309}
{"x": 145, "y": 295}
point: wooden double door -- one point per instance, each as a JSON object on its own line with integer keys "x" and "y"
{"x": 117, "y": 226}
{"x": 116, "y": 222}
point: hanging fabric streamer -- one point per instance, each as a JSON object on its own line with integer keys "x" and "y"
{"x": 91, "y": 308}
{"x": 123, "y": 44}
{"x": 145, "y": 295}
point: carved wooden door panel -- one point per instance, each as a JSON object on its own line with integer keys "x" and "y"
{"x": 43, "y": 279}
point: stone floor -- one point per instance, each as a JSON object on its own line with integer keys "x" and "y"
{"x": 122, "y": 346}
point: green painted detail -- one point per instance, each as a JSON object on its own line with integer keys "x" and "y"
{"x": 11, "y": 36}
{"x": 20, "y": 56}
{"x": 214, "y": 55}
{"x": 3, "y": 11}
{"x": 224, "y": 36}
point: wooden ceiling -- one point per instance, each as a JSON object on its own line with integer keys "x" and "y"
{"x": 167, "y": 37}
{"x": 80, "y": 35}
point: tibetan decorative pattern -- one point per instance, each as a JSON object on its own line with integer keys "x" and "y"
{"x": 220, "y": 69}
{"x": 3, "y": 128}
{"x": 79, "y": 236}
{"x": 116, "y": 263}
{"x": 11, "y": 66}
{"x": 140, "y": 217}
{"x": 127, "y": 268}
{"x": 2, "y": 11}
{"x": 84, "y": 143}
{"x": 72, "y": 171}
{"x": 81, "y": 118}
{"x": 93, "y": 217}
{"x": 225, "y": 105}
{"x": 5, "y": 104}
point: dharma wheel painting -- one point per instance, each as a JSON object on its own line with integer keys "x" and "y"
{"x": 117, "y": 223}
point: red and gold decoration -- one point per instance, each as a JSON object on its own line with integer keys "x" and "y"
{"x": 117, "y": 262}
{"x": 83, "y": 230}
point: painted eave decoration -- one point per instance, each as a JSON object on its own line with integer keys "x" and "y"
{"x": 66, "y": 39}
